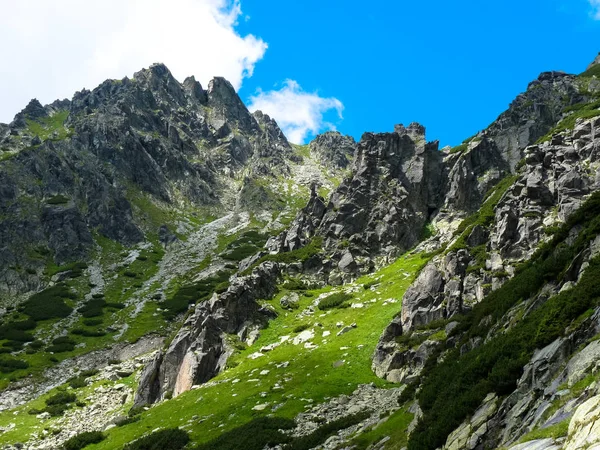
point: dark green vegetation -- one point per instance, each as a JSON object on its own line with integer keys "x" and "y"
{"x": 82, "y": 440}
{"x": 246, "y": 245}
{"x": 57, "y": 404}
{"x": 265, "y": 431}
{"x": 167, "y": 439}
{"x": 61, "y": 344}
{"x": 49, "y": 304}
{"x": 452, "y": 390}
{"x": 255, "y": 435}
{"x": 337, "y": 300}
{"x": 192, "y": 293}
{"x": 79, "y": 381}
{"x": 9, "y": 364}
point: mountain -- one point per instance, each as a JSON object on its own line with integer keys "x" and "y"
{"x": 174, "y": 270}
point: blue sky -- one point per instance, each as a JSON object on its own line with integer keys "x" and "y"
{"x": 453, "y": 66}
{"x": 312, "y": 64}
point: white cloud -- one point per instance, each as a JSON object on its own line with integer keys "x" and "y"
{"x": 595, "y": 9}
{"x": 52, "y": 49}
{"x": 297, "y": 112}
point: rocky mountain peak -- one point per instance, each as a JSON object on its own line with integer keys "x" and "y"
{"x": 34, "y": 109}
{"x": 333, "y": 148}
{"x": 415, "y": 130}
{"x": 194, "y": 89}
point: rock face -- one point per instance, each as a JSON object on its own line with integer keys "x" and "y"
{"x": 200, "y": 350}
{"x": 334, "y": 149}
{"x": 76, "y": 166}
{"x": 552, "y": 184}
{"x": 381, "y": 208}
{"x": 532, "y": 114}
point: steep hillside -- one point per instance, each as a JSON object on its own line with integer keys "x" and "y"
{"x": 189, "y": 279}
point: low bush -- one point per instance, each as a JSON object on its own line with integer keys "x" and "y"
{"x": 334, "y": 301}
{"x": 127, "y": 420}
{"x": 258, "y": 434}
{"x": 167, "y": 439}
{"x": 49, "y": 304}
{"x": 92, "y": 322}
{"x": 61, "y": 345}
{"x": 300, "y": 328}
{"x": 61, "y": 398}
{"x": 82, "y": 440}
{"x": 9, "y": 364}
{"x": 92, "y": 308}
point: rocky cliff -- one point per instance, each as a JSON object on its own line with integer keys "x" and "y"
{"x": 73, "y": 168}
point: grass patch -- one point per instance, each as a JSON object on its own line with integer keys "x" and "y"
{"x": 395, "y": 427}
{"x": 51, "y": 127}
{"x": 557, "y": 430}
{"x": 578, "y": 111}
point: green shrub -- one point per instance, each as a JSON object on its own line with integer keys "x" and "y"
{"x": 294, "y": 284}
{"x": 167, "y": 439}
{"x": 334, "y": 301}
{"x": 92, "y": 322}
{"x": 258, "y": 434}
{"x": 61, "y": 345}
{"x": 82, "y": 440}
{"x": 56, "y": 410}
{"x": 115, "y": 305}
{"x": 300, "y": 328}
{"x": 88, "y": 333}
{"x": 77, "y": 382}
{"x": 127, "y": 420}
{"x": 130, "y": 274}
{"x": 61, "y": 398}
{"x": 9, "y": 364}
{"x": 49, "y": 304}
{"x": 92, "y": 308}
